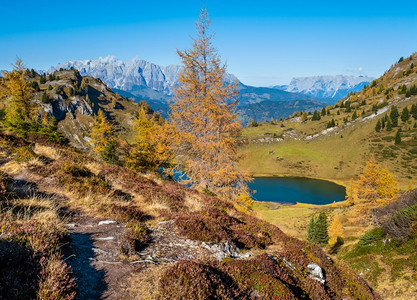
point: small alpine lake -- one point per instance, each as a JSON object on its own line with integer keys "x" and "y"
{"x": 290, "y": 190}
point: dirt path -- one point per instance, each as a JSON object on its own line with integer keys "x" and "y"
{"x": 98, "y": 270}
{"x": 94, "y": 251}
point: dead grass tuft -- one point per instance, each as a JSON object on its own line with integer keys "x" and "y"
{"x": 47, "y": 151}
{"x": 142, "y": 285}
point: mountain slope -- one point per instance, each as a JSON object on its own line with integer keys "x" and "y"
{"x": 251, "y": 95}
{"x": 339, "y": 152}
{"x": 73, "y": 100}
{"x": 332, "y": 88}
{"x": 265, "y": 110}
{"x": 336, "y": 147}
{"x": 130, "y": 235}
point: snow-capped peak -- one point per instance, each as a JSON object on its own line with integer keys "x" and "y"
{"x": 332, "y": 87}
{"x": 128, "y": 75}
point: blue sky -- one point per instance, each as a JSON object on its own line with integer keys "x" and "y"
{"x": 263, "y": 42}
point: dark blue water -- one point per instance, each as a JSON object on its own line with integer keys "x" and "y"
{"x": 292, "y": 190}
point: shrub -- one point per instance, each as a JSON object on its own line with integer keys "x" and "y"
{"x": 19, "y": 270}
{"x": 215, "y": 225}
{"x": 262, "y": 277}
{"x": 135, "y": 237}
{"x": 81, "y": 180}
{"x": 5, "y": 182}
{"x": 56, "y": 281}
{"x": 23, "y": 154}
{"x": 397, "y": 218}
{"x": 371, "y": 237}
{"x": 195, "y": 280}
{"x": 31, "y": 265}
{"x": 127, "y": 213}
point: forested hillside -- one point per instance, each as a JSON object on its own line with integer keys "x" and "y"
{"x": 336, "y": 141}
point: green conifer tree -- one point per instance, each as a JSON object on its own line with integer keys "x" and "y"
{"x": 316, "y": 116}
{"x": 311, "y": 230}
{"x": 317, "y": 230}
{"x": 414, "y": 111}
{"x": 322, "y": 235}
{"x": 389, "y": 125}
{"x": 378, "y": 126}
{"x": 394, "y": 116}
{"x": 398, "y": 137}
{"x": 405, "y": 115}
{"x": 45, "y": 98}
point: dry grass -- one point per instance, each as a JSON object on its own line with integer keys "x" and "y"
{"x": 12, "y": 167}
{"x": 155, "y": 208}
{"x": 143, "y": 285}
{"x": 193, "y": 202}
{"x": 292, "y": 220}
{"x": 94, "y": 167}
{"x": 47, "y": 151}
{"x": 44, "y": 209}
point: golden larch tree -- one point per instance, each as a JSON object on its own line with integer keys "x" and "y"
{"x": 102, "y": 133}
{"x": 376, "y": 187}
{"x": 335, "y": 230}
{"x": 205, "y": 123}
{"x": 151, "y": 148}
{"x": 15, "y": 90}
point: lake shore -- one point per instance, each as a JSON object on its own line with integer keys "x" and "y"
{"x": 342, "y": 182}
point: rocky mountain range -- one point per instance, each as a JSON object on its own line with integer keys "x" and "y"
{"x": 328, "y": 88}
{"x": 136, "y": 76}
{"x": 149, "y": 81}
{"x": 143, "y": 80}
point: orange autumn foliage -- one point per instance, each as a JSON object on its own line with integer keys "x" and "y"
{"x": 17, "y": 94}
{"x": 335, "y": 230}
{"x": 151, "y": 148}
{"x": 376, "y": 187}
{"x": 204, "y": 121}
{"x": 102, "y": 133}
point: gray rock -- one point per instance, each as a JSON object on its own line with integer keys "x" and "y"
{"x": 314, "y": 271}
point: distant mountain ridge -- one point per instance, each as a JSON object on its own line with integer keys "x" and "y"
{"x": 133, "y": 76}
{"x": 332, "y": 88}
{"x": 153, "y": 82}
{"x": 143, "y": 80}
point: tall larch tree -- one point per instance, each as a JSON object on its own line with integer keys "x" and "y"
{"x": 16, "y": 91}
{"x": 205, "y": 123}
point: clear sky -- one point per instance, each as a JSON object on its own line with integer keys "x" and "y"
{"x": 264, "y": 42}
